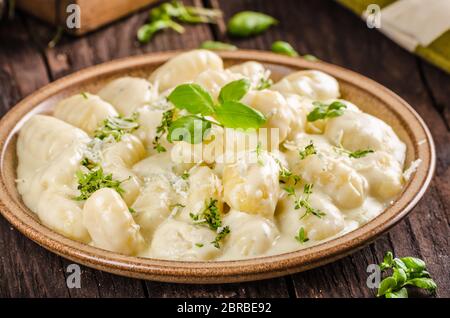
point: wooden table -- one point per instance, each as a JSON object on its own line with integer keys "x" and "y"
{"x": 318, "y": 27}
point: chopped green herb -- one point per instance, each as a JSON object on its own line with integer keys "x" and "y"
{"x": 117, "y": 127}
{"x": 85, "y": 95}
{"x": 360, "y": 153}
{"x": 94, "y": 180}
{"x": 248, "y": 23}
{"x": 301, "y": 236}
{"x": 264, "y": 83}
{"x": 199, "y": 244}
{"x": 210, "y": 216}
{"x": 282, "y": 47}
{"x": 406, "y": 271}
{"x": 303, "y": 201}
{"x": 132, "y": 211}
{"x": 166, "y": 121}
{"x": 88, "y": 163}
{"x": 354, "y": 154}
{"x": 308, "y": 151}
{"x": 221, "y": 236}
{"x": 323, "y": 111}
{"x": 259, "y": 152}
{"x": 286, "y": 175}
{"x": 217, "y": 46}
{"x": 290, "y": 191}
{"x": 185, "y": 175}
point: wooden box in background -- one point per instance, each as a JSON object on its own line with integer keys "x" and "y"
{"x": 94, "y": 13}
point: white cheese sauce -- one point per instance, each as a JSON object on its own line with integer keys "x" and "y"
{"x": 316, "y": 181}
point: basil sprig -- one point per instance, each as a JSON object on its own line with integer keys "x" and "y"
{"x": 248, "y": 23}
{"x": 163, "y": 17}
{"x": 406, "y": 271}
{"x": 228, "y": 112}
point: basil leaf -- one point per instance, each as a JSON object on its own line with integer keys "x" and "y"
{"x": 386, "y": 285}
{"x": 400, "y": 276}
{"x": 234, "y": 91}
{"x": 398, "y": 263}
{"x": 284, "y": 48}
{"x": 425, "y": 283}
{"x": 247, "y": 23}
{"x": 145, "y": 33}
{"x": 234, "y": 114}
{"x": 189, "y": 128}
{"x": 402, "y": 293}
{"x": 192, "y": 97}
{"x": 217, "y": 46}
{"x": 413, "y": 264}
{"x": 421, "y": 274}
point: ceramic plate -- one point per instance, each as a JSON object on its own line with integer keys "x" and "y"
{"x": 367, "y": 94}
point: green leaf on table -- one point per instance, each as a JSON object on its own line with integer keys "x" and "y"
{"x": 146, "y": 32}
{"x": 386, "y": 285}
{"x": 234, "y": 114}
{"x": 282, "y": 47}
{"x": 247, "y": 23}
{"x": 217, "y": 46}
{"x": 413, "y": 264}
{"x": 401, "y": 293}
{"x": 400, "y": 276}
{"x": 192, "y": 97}
{"x": 425, "y": 283}
{"x": 234, "y": 91}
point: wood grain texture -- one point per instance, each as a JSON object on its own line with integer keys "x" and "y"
{"x": 316, "y": 27}
{"x": 312, "y": 28}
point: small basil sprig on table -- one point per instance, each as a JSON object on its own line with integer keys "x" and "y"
{"x": 323, "y": 110}
{"x": 406, "y": 271}
{"x": 162, "y": 17}
{"x": 247, "y": 23}
{"x": 228, "y": 112}
{"x": 217, "y": 46}
{"x": 282, "y": 47}
{"x": 147, "y": 31}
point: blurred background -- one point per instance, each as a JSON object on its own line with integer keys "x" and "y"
{"x": 37, "y": 47}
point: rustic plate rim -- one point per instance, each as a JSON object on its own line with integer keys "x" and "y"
{"x": 216, "y": 271}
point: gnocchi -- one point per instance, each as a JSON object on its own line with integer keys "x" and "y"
{"x": 100, "y": 169}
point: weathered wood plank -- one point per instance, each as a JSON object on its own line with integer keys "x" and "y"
{"x": 326, "y": 30}
{"x": 437, "y": 83}
{"x": 25, "y": 268}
